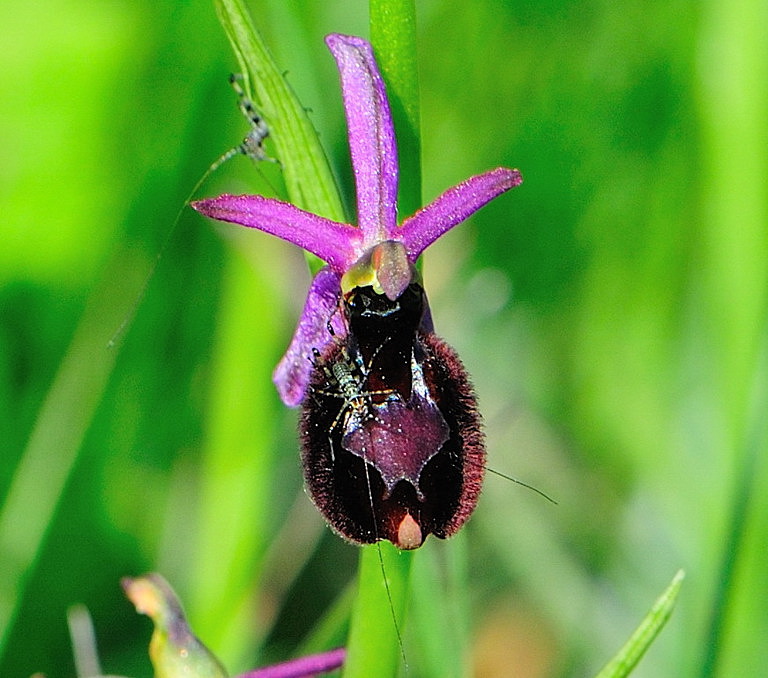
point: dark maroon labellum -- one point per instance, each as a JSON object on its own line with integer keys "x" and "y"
{"x": 392, "y": 446}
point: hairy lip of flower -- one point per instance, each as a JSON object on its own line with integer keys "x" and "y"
{"x": 392, "y": 445}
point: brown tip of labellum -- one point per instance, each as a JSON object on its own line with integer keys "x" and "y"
{"x": 408, "y": 534}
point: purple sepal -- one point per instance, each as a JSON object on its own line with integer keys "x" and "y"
{"x": 371, "y": 137}
{"x": 336, "y": 244}
{"x": 454, "y": 206}
{"x": 292, "y": 373}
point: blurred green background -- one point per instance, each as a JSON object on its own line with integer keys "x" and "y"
{"x": 612, "y": 311}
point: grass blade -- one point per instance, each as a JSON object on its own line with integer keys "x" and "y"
{"x": 633, "y": 650}
{"x": 307, "y": 174}
{"x": 55, "y": 442}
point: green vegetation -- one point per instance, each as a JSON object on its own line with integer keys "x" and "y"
{"x": 612, "y": 311}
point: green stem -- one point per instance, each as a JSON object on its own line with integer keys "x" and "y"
{"x": 733, "y": 58}
{"x": 374, "y": 646}
{"x": 393, "y": 36}
{"x": 742, "y": 508}
{"x": 726, "y": 573}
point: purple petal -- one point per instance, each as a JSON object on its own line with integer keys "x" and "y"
{"x": 453, "y": 207}
{"x": 303, "y": 667}
{"x": 335, "y": 243}
{"x": 292, "y": 373}
{"x": 371, "y": 137}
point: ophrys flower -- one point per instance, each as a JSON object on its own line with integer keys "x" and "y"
{"x": 391, "y": 437}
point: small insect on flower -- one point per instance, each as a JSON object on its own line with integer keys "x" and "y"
{"x": 409, "y": 459}
{"x": 345, "y": 378}
{"x": 390, "y": 433}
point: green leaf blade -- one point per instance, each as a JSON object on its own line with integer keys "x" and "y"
{"x": 308, "y": 177}
{"x": 633, "y": 650}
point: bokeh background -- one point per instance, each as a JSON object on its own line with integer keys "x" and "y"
{"x": 612, "y": 311}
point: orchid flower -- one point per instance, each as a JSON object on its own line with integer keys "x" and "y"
{"x": 377, "y": 251}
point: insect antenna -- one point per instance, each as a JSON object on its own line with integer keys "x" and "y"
{"x": 251, "y": 146}
{"x": 521, "y": 483}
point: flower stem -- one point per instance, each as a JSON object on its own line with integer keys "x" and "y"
{"x": 732, "y": 62}
{"x": 374, "y": 645}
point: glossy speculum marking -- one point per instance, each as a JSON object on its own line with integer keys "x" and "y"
{"x": 391, "y": 437}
